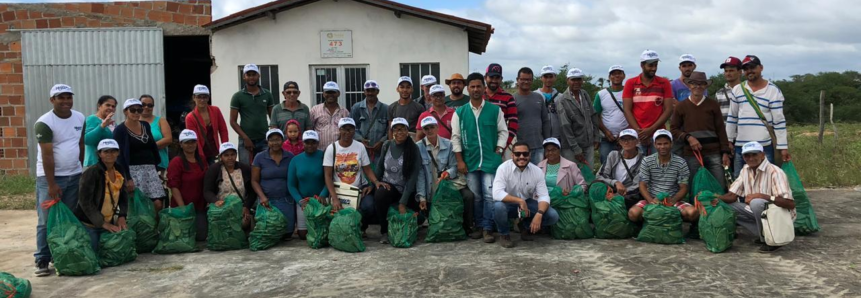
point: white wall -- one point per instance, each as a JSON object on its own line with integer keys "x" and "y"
{"x": 292, "y": 41}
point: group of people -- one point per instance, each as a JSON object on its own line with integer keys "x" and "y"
{"x": 501, "y": 151}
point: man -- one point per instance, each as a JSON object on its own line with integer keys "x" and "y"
{"x": 742, "y": 113}
{"x": 427, "y": 82}
{"x": 647, "y": 101}
{"x": 59, "y": 160}
{"x": 290, "y": 109}
{"x": 405, "y": 107}
{"x": 439, "y": 111}
{"x": 687, "y": 65}
{"x": 325, "y": 116}
{"x": 253, "y": 103}
{"x": 760, "y": 182}
{"x": 697, "y": 124}
{"x": 519, "y": 191}
{"x": 456, "y": 84}
{"x": 664, "y": 172}
{"x": 608, "y": 103}
{"x": 478, "y": 149}
{"x": 732, "y": 73}
{"x": 371, "y": 117}
{"x": 532, "y": 115}
{"x": 496, "y": 95}
{"x": 579, "y": 122}
{"x": 621, "y": 171}
{"x": 548, "y": 78}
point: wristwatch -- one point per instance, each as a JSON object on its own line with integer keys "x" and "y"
{"x": 772, "y": 198}
{"x": 541, "y": 212}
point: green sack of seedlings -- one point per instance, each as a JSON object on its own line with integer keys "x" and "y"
{"x": 270, "y": 228}
{"x": 588, "y": 175}
{"x": 445, "y": 221}
{"x": 13, "y": 287}
{"x": 573, "y": 211}
{"x": 705, "y": 181}
{"x": 69, "y": 241}
{"x": 224, "y": 230}
{"x": 610, "y": 215}
{"x": 177, "y": 230}
{"x": 345, "y": 232}
{"x": 141, "y": 219}
{"x": 717, "y": 224}
{"x": 661, "y": 224}
{"x": 805, "y": 219}
{"x": 403, "y": 228}
{"x": 317, "y": 220}
{"x": 117, "y": 248}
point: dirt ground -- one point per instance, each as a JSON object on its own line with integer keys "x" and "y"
{"x": 827, "y": 264}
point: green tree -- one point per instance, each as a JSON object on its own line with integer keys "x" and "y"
{"x": 561, "y": 83}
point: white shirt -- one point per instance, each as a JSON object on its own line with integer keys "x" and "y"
{"x": 66, "y": 138}
{"x": 611, "y": 115}
{"x": 457, "y": 134}
{"x": 348, "y": 162}
{"x": 524, "y": 184}
{"x": 621, "y": 172}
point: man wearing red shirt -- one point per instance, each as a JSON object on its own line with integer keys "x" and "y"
{"x": 439, "y": 111}
{"x": 648, "y": 100}
{"x": 497, "y": 96}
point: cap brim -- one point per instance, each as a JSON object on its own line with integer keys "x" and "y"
{"x": 492, "y": 74}
{"x": 448, "y": 82}
{"x": 651, "y": 61}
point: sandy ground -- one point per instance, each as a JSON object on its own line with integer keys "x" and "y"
{"x": 827, "y": 264}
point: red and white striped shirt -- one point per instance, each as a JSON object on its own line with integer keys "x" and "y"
{"x": 767, "y": 179}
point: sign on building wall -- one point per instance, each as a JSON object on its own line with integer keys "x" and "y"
{"x": 336, "y": 44}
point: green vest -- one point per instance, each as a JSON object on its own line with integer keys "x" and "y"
{"x": 479, "y": 137}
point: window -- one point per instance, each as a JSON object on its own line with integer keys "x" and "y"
{"x": 350, "y": 78}
{"x": 268, "y": 79}
{"x": 416, "y": 71}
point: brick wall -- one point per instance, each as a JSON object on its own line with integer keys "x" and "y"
{"x": 175, "y": 18}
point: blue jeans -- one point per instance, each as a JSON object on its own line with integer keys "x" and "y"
{"x": 504, "y": 211}
{"x": 605, "y": 149}
{"x": 68, "y": 195}
{"x": 536, "y": 155}
{"x": 287, "y": 207}
{"x": 647, "y": 150}
{"x": 480, "y": 184}
{"x": 95, "y": 237}
{"x": 366, "y": 209}
{"x": 739, "y": 163}
{"x": 259, "y": 146}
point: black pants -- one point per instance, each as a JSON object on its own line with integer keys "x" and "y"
{"x": 468, "y": 201}
{"x": 385, "y": 198}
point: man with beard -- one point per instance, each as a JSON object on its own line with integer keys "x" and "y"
{"x": 497, "y": 96}
{"x": 405, "y": 107}
{"x": 608, "y": 103}
{"x": 579, "y": 122}
{"x": 548, "y": 78}
{"x": 424, "y": 99}
{"x": 648, "y": 101}
{"x": 687, "y": 65}
{"x": 457, "y": 98}
{"x": 326, "y": 116}
{"x": 253, "y": 104}
{"x": 532, "y": 114}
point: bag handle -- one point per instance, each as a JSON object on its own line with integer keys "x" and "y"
{"x": 699, "y": 157}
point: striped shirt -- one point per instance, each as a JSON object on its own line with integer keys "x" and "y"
{"x": 664, "y": 178}
{"x": 724, "y": 96}
{"x": 506, "y": 102}
{"x": 767, "y": 179}
{"x": 742, "y": 115}
{"x": 326, "y": 124}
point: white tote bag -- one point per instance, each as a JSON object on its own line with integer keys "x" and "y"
{"x": 777, "y": 225}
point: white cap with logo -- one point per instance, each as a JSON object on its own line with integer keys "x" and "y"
{"x": 687, "y": 58}
{"x": 274, "y": 131}
{"x": 60, "y": 89}
{"x": 226, "y": 146}
{"x": 575, "y": 73}
{"x": 250, "y": 67}
{"x": 649, "y": 56}
{"x": 405, "y": 79}
{"x": 400, "y": 121}
{"x": 428, "y": 80}
{"x": 428, "y": 121}
{"x": 615, "y": 68}
{"x": 200, "y": 89}
{"x": 107, "y": 144}
{"x": 437, "y": 89}
{"x": 751, "y": 147}
{"x": 310, "y": 135}
{"x": 131, "y": 102}
{"x": 187, "y": 135}
{"x": 331, "y": 86}
{"x": 371, "y": 84}
{"x": 346, "y": 121}
{"x": 554, "y": 141}
{"x": 548, "y": 69}
{"x": 662, "y": 132}
{"x": 629, "y": 132}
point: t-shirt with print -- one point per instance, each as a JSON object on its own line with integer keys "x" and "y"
{"x": 410, "y": 111}
{"x": 65, "y": 135}
{"x": 611, "y": 115}
{"x": 348, "y": 162}
{"x": 648, "y": 100}
{"x": 680, "y": 90}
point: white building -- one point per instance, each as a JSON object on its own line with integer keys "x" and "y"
{"x": 347, "y": 41}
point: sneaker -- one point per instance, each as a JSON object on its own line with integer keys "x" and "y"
{"x": 525, "y": 236}
{"x": 765, "y": 248}
{"x": 758, "y": 242}
{"x": 488, "y": 237}
{"x": 384, "y": 239}
{"x": 42, "y": 269}
{"x": 476, "y": 234}
{"x": 505, "y": 241}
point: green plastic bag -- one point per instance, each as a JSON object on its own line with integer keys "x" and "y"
{"x": 317, "y": 220}
{"x": 573, "y": 212}
{"x": 445, "y": 221}
{"x": 176, "y": 230}
{"x": 717, "y": 224}
{"x": 270, "y": 228}
{"x": 13, "y": 287}
{"x": 141, "y": 219}
{"x": 117, "y": 248}
{"x": 69, "y": 241}
{"x": 225, "y": 225}
{"x": 610, "y": 216}
{"x": 704, "y": 181}
{"x": 403, "y": 228}
{"x": 662, "y": 224}
{"x": 588, "y": 175}
{"x": 805, "y": 219}
{"x": 345, "y": 232}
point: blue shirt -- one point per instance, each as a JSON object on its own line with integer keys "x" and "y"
{"x": 305, "y": 177}
{"x": 680, "y": 90}
{"x": 364, "y": 130}
{"x": 273, "y": 177}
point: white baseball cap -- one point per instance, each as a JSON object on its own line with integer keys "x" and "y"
{"x": 250, "y": 67}
{"x": 662, "y": 132}
{"x": 371, "y": 84}
{"x": 575, "y": 73}
{"x": 428, "y": 121}
{"x": 310, "y": 135}
{"x": 131, "y": 102}
{"x": 750, "y": 147}
{"x": 400, "y": 121}
{"x": 226, "y": 146}
{"x": 615, "y": 68}
{"x": 107, "y": 144}
{"x": 405, "y": 79}
{"x": 60, "y": 89}
{"x": 629, "y": 132}
{"x": 554, "y": 141}
{"x": 548, "y": 69}
{"x": 649, "y": 56}
{"x": 346, "y": 121}
{"x": 331, "y": 86}
{"x": 428, "y": 80}
{"x": 436, "y": 89}
{"x": 274, "y": 130}
{"x": 187, "y": 135}
{"x": 200, "y": 89}
{"x": 687, "y": 58}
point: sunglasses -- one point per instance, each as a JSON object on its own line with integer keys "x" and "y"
{"x": 291, "y": 92}
{"x": 135, "y": 110}
{"x": 148, "y": 105}
{"x": 521, "y": 154}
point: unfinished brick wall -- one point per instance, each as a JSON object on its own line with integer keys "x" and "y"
{"x": 175, "y": 18}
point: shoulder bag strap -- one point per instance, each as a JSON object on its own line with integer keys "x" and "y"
{"x": 614, "y": 100}
{"x": 768, "y": 126}
{"x": 236, "y": 189}
{"x": 438, "y": 120}
{"x": 627, "y": 169}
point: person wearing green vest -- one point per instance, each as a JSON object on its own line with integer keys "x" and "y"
{"x": 478, "y": 136}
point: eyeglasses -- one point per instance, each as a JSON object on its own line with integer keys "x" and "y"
{"x": 135, "y": 110}
{"x": 521, "y": 154}
{"x": 148, "y": 105}
{"x": 291, "y": 92}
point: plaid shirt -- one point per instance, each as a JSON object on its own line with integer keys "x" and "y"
{"x": 326, "y": 124}
{"x": 767, "y": 179}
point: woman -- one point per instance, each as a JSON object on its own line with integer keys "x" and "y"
{"x": 207, "y": 122}
{"x": 102, "y": 203}
{"x": 399, "y": 166}
{"x": 558, "y": 171}
{"x": 621, "y": 171}
{"x": 230, "y": 177}
{"x": 99, "y": 126}
{"x": 160, "y": 129}
{"x": 269, "y": 178}
{"x": 139, "y": 154}
{"x": 185, "y": 179}
{"x": 305, "y": 178}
